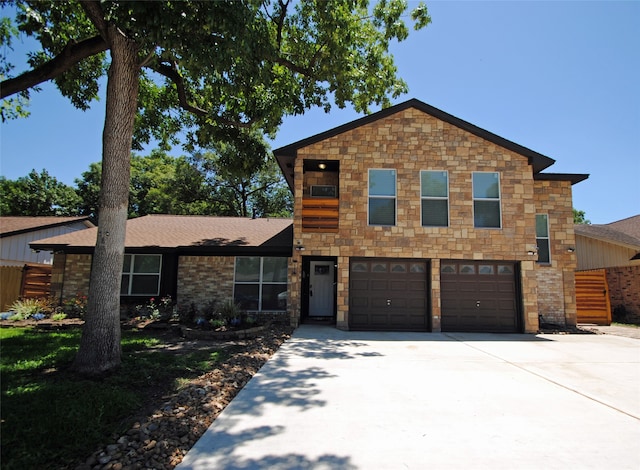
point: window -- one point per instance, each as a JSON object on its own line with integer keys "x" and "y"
{"x": 141, "y": 275}
{"x": 260, "y": 283}
{"x": 542, "y": 238}
{"x": 434, "y": 194}
{"x": 382, "y": 197}
{"x": 486, "y": 200}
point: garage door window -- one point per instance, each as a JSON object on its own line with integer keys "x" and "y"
{"x": 434, "y": 192}
{"x": 486, "y": 200}
{"x": 382, "y": 197}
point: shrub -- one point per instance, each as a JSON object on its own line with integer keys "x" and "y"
{"x": 230, "y": 312}
{"x": 59, "y": 316}
{"x": 24, "y": 309}
{"x": 156, "y": 309}
{"x": 74, "y": 307}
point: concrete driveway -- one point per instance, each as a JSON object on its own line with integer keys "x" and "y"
{"x": 330, "y": 399}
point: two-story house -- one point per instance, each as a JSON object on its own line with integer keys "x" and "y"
{"x": 413, "y": 219}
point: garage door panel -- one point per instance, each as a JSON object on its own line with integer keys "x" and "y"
{"x": 483, "y": 299}
{"x": 396, "y": 296}
{"x": 359, "y": 285}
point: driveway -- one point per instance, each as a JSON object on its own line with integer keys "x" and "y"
{"x": 330, "y": 399}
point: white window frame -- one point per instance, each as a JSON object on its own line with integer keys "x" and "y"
{"x": 131, "y": 273}
{"x": 394, "y": 197}
{"x": 547, "y": 238}
{"x": 434, "y": 198}
{"x": 260, "y": 282}
{"x": 491, "y": 199}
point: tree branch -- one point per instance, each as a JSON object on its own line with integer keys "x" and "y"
{"x": 72, "y": 53}
{"x": 172, "y": 74}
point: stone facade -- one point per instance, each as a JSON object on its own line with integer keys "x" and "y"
{"x": 203, "y": 279}
{"x": 624, "y": 290}
{"x": 410, "y": 141}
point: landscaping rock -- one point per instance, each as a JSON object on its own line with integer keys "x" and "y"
{"x": 162, "y": 438}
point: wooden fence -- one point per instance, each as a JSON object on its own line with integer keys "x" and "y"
{"x": 27, "y": 281}
{"x": 592, "y": 297}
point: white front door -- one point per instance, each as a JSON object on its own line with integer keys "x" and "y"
{"x": 321, "y": 289}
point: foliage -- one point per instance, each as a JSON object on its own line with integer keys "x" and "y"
{"x": 74, "y": 307}
{"x": 579, "y": 217}
{"x": 59, "y": 316}
{"x": 23, "y": 309}
{"x": 47, "y": 422}
{"x": 157, "y": 309}
{"x": 37, "y": 194}
{"x": 213, "y": 70}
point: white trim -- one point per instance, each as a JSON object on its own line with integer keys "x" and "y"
{"x": 394, "y": 197}
{"x": 498, "y": 199}
{"x": 435, "y": 198}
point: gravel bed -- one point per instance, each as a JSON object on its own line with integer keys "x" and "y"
{"x": 161, "y": 438}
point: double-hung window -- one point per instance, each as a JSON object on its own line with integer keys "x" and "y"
{"x": 382, "y": 197}
{"x": 542, "y": 238}
{"x": 434, "y": 195}
{"x": 260, "y": 283}
{"x": 486, "y": 200}
{"x": 141, "y": 275}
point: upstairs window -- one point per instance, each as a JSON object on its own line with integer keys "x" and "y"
{"x": 434, "y": 195}
{"x": 542, "y": 238}
{"x": 382, "y": 197}
{"x": 486, "y": 200}
{"x": 141, "y": 275}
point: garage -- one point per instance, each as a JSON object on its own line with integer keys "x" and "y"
{"x": 479, "y": 296}
{"x": 388, "y": 294}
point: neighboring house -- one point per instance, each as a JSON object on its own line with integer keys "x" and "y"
{"x": 193, "y": 259}
{"x": 413, "y": 219}
{"x": 614, "y": 250}
{"x": 25, "y": 272}
{"x": 406, "y": 219}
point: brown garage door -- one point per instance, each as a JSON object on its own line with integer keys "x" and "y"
{"x": 388, "y": 294}
{"x": 479, "y": 296}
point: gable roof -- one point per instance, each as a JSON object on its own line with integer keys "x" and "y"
{"x": 182, "y": 233}
{"x": 625, "y": 232}
{"x": 287, "y": 154}
{"x": 16, "y": 225}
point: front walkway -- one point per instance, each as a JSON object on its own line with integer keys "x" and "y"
{"x": 330, "y": 399}
{"x": 618, "y": 330}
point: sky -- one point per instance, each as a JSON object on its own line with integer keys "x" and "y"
{"x": 560, "y": 78}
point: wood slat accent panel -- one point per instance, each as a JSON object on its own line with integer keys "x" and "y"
{"x": 36, "y": 281}
{"x": 320, "y": 214}
{"x": 592, "y": 297}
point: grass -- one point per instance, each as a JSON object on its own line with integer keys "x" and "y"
{"x": 51, "y": 418}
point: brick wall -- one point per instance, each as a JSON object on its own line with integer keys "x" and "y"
{"x": 202, "y": 279}
{"x": 77, "y": 271}
{"x": 624, "y": 290}
{"x": 556, "y": 280}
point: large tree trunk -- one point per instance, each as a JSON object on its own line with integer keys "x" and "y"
{"x": 100, "y": 349}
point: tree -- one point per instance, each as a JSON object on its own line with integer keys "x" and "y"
{"x": 212, "y": 69}
{"x": 37, "y": 194}
{"x": 579, "y": 217}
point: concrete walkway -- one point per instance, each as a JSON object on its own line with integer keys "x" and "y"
{"x": 618, "y": 330}
{"x": 330, "y": 399}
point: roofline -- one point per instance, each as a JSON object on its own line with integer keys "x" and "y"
{"x": 180, "y": 250}
{"x": 574, "y": 178}
{"x": 604, "y": 238}
{"x": 537, "y": 160}
{"x": 48, "y": 226}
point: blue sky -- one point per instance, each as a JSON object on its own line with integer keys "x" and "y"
{"x": 560, "y": 78}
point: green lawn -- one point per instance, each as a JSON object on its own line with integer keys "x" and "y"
{"x": 51, "y": 418}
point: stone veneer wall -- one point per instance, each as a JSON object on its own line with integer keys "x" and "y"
{"x": 410, "y": 141}
{"x": 624, "y": 290}
{"x": 202, "y": 279}
{"x": 556, "y": 280}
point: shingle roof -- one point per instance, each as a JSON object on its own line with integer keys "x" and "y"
{"x": 623, "y": 232}
{"x": 198, "y": 233}
{"x": 15, "y": 225}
